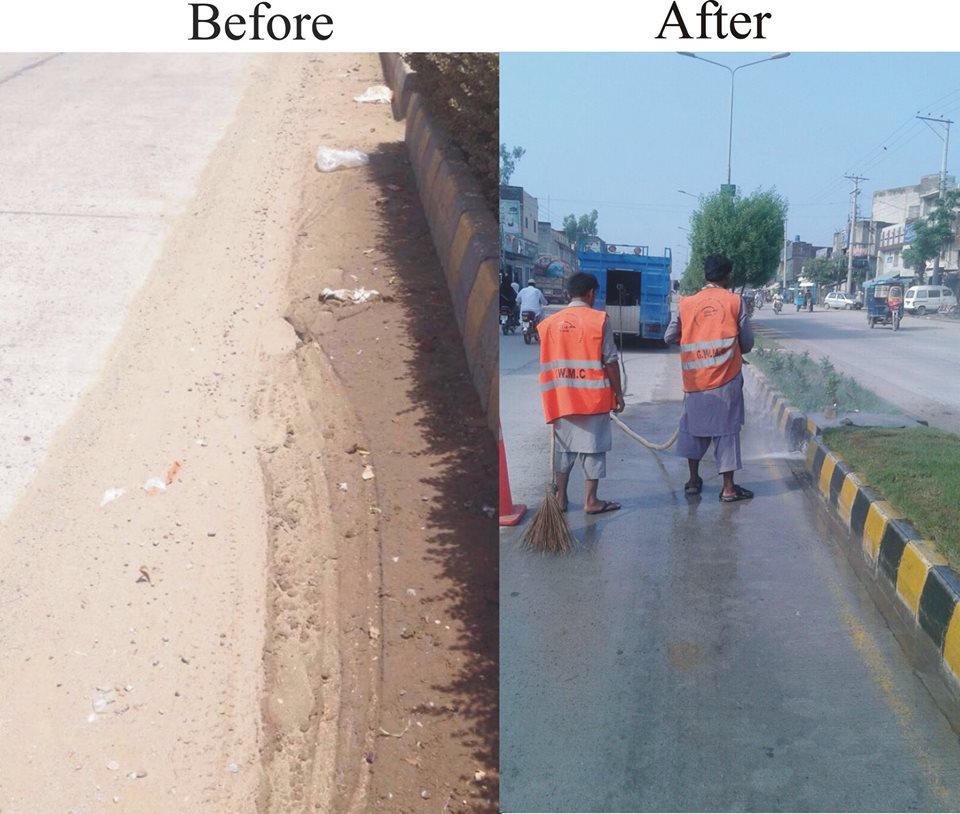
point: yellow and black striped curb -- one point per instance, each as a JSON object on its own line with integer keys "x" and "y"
{"x": 464, "y": 230}
{"x": 912, "y": 568}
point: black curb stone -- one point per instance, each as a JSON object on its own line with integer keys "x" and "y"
{"x": 941, "y": 589}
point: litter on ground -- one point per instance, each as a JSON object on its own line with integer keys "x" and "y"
{"x": 356, "y": 295}
{"x": 330, "y": 159}
{"x": 380, "y": 94}
{"x": 172, "y": 472}
{"x": 154, "y": 486}
{"x": 111, "y": 495}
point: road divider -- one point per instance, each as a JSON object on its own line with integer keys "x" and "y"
{"x": 910, "y": 569}
{"x": 463, "y": 228}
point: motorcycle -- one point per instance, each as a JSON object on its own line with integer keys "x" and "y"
{"x": 508, "y": 320}
{"x": 777, "y": 306}
{"x": 528, "y": 320}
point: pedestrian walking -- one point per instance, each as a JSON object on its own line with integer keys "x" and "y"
{"x": 713, "y": 330}
{"x": 579, "y": 386}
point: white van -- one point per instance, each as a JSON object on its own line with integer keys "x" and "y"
{"x": 920, "y": 299}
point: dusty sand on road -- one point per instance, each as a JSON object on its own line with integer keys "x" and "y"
{"x": 242, "y": 640}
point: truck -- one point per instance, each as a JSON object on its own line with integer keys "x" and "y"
{"x": 551, "y": 275}
{"x": 634, "y": 285}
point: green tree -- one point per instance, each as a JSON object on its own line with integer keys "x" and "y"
{"x": 826, "y": 270}
{"x": 748, "y": 230}
{"x": 462, "y": 90}
{"x": 931, "y": 234}
{"x": 577, "y": 228}
{"x": 508, "y": 162}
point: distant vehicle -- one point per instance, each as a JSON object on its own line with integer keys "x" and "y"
{"x": 884, "y": 302}
{"x": 528, "y": 326}
{"x": 551, "y": 275}
{"x": 509, "y": 321}
{"x": 922, "y": 298}
{"x": 839, "y": 299}
{"x": 634, "y": 285}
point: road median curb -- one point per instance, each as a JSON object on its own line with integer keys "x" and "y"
{"x": 464, "y": 230}
{"x": 910, "y": 569}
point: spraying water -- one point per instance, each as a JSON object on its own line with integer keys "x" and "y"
{"x": 762, "y": 440}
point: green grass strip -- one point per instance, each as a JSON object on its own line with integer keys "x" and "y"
{"x": 915, "y": 470}
{"x": 811, "y": 385}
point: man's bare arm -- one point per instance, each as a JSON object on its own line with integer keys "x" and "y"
{"x": 613, "y": 374}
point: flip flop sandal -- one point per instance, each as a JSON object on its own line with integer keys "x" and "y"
{"x": 606, "y": 507}
{"x": 739, "y": 493}
{"x": 693, "y": 487}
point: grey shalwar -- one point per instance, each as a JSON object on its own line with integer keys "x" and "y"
{"x": 587, "y": 438}
{"x": 713, "y": 415}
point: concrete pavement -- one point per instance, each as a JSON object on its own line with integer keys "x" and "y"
{"x": 101, "y": 152}
{"x": 698, "y": 656}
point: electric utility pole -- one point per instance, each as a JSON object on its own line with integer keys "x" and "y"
{"x": 785, "y": 246}
{"x": 943, "y": 182}
{"x": 853, "y": 225}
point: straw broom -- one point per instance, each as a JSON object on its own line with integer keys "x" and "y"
{"x": 548, "y": 532}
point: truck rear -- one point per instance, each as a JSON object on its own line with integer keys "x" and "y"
{"x": 551, "y": 275}
{"x": 634, "y": 285}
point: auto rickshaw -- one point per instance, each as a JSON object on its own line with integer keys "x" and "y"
{"x": 884, "y": 302}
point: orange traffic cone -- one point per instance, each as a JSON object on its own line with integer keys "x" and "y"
{"x": 510, "y": 513}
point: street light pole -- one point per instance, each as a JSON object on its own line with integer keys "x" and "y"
{"x": 733, "y": 72}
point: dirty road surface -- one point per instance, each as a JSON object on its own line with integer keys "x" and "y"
{"x": 241, "y": 559}
{"x": 694, "y": 656}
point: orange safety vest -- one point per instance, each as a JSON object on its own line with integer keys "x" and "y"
{"x": 709, "y": 345}
{"x": 572, "y": 378}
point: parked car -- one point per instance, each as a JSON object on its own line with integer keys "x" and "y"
{"x": 922, "y": 298}
{"x": 839, "y": 299}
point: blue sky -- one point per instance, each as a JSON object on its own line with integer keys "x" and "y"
{"x": 621, "y": 133}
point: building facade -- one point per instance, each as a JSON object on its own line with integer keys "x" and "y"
{"x": 519, "y": 233}
{"x": 555, "y": 243}
{"x": 866, "y": 240}
{"x": 797, "y": 252}
{"x": 895, "y": 211}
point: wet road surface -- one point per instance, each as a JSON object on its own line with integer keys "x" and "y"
{"x": 696, "y": 656}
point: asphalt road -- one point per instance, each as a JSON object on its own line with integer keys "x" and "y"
{"x": 916, "y": 368}
{"x": 694, "y": 656}
{"x": 100, "y": 153}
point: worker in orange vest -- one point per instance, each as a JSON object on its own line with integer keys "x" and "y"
{"x": 579, "y": 387}
{"x": 713, "y": 330}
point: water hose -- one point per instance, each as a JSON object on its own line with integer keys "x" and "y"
{"x": 641, "y": 440}
{"x": 623, "y": 374}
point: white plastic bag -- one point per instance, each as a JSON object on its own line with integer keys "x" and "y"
{"x": 378, "y": 93}
{"x": 330, "y": 159}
